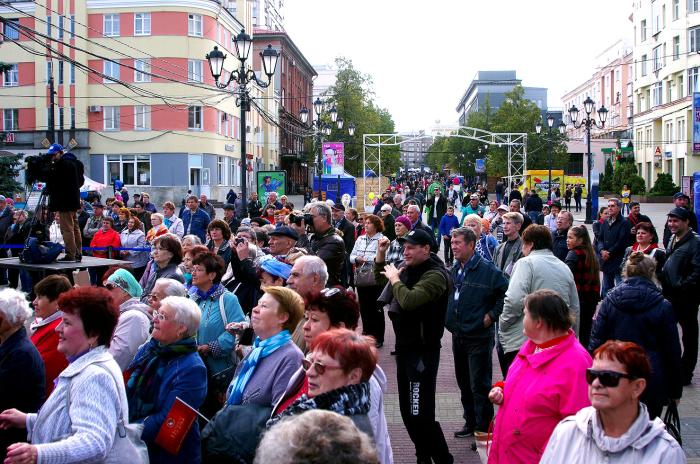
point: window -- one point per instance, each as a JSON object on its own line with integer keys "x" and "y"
{"x": 194, "y": 117}
{"x": 657, "y": 58}
{"x": 72, "y": 73}
{"x": 680, "y": 123}
{"x": 143, "y": 70}
{"x": 48, "y": 26}
{"x": 60, "y": 26}
{"x": 11, "y": 78}
{"x": 693, "y": 80}
{"x": 111, "y": 117}
{"x": 681, "y": 87}
{"x": 617, "y": 75}
{"x": 644, "y": 65}
{"x": 656, "y": 14}
{"x": 194, "y": 71}
{"x": 72, "y": 26}
{"x": 60, "y": 73}
{"x": 693, "y": 6}
{"x": 61, "y": 118}
{"x": 676, "y": 48}
{"x": 72, "y": 117}
{"x": 111, "y": 69}
{"x": 142, "y": 24}
{"x": 643, "y": 29}
{"x": 10, "y": 119}
{"x": 676, "y": 7}
{"x": 131, "y": 169}
{"x": 142, "y": 120}
{"x": 668, "y": 135}
{"x": 694, "y": 39}
{"x": 681, "y": 168}
{"x": 49, "y": 71}
{"x": 12, "y": 29}
{"x": 221, "y": 170}
{"x": 194, "y": 25}
{"x": 111, "y": 25}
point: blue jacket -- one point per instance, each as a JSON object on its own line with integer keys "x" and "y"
{"x": 447, "y": 223}
{"x": 185, "y": 377}
{"x": 481, "y": 292}
{"x": 200, "y": 220}
{"x": 636, "y": 311}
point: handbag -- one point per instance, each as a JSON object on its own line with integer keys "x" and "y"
{"x": 233, "y": 433}
{"x": 364, "y": 275}
{"x": 673, "y": 421}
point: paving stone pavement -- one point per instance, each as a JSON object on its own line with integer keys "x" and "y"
{"x": 449, "y": 408}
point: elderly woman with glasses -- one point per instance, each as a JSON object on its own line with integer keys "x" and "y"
{"x": 616, "y": 427}
{"x": 545, "y": 383}
{"x": 163, "y": 289}
{"x": 134, "y": 316}
{"x": 165, "y": 368}
{"x": 166, "y": 256}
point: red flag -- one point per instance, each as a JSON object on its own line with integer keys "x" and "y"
{"x": 176, "y": 426}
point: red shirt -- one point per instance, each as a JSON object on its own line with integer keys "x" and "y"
{"x": 46, "y": 341}
{"x": 295, "y": 395}
{"x": 105, "y": 239}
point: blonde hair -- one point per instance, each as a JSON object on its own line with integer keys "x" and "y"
{"x": 290, "y": 302}
{"x": 475, "y": 218}
{"x": 640, "y": 265}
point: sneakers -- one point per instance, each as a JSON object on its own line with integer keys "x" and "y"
{"x": 78, "y": 258}
{"x": 66, "y": 259}
{"x": 467, "y": 431}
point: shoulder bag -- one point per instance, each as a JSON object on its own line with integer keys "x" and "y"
{"x": 673, "y": 421}
{"x": 364, "y": 273}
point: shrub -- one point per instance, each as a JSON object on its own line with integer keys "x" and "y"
{"x": 664, "y": 185}
{"x": 626, "y": 173}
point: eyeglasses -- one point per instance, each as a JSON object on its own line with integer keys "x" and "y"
{"x": 110, "y": 286}
{"x": 160, "y": 316}
{"x": 330, "y": 291}
{"x": 609, "y": 379}
{"x": 320, "y": 368}
{"x": 152, "y": 296}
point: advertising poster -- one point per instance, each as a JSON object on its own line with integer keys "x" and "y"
{"x": 333, "y": 158}
{"x": 271, "y": 181}
{"x": 480, "y": 165}
{"x": 696, "y": 122}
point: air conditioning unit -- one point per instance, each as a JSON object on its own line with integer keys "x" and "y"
{"x": 257, "y": 129}
{"x": 94, "y": 108}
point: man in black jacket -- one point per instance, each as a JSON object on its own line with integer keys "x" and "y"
{"x": 635, "y": 217}
{"x": 230, "y": 218}
{"x": 254, "y": 206}
{"x": 63, "y": 187}
{"x": 681, "y": 200}
{"x": 564, "y": 222}
{"x": 614, "y": 238}
{"x": 681, "y": 284}
{"x": 6, "y": 218}
{"x": 326, "y": 243}
{"x": 533, "y": 206}
{"x": 348, "y": 231}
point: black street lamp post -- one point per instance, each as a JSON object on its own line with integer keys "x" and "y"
{"x": 243, "y": 43}
{"x": 587, "y": 123}
{"x": 538, "y": 129}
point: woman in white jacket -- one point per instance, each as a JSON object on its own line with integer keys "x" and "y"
{"x": 80, "y": 420}
{"x": 616, "y": 428}
{"x": 362, "y": 256}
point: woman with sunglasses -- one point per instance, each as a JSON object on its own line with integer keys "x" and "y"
{"x": 636, "y": 311}
{"x": 166, "y": 257}
{"x": 338, "y": 369}
{"x": 616, "y": 428}
{"x": 545, "y": 383}
{"x": 166, "y": 367}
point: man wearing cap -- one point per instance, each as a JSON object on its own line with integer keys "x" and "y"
{"x": 680, "y": 278}
{"x": 496, "y": 227}
{"x": 282, "y": 241}
{"x": 389, "y": 221}
{"x": 95, "y": 222}
{"x": 230, "y": 218}
{"x": 681, "y": 200}
{"x": 417, "y": 303}
{"x": 348, "y": 230}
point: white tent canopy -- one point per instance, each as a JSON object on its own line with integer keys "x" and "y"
{"x": 91, "y": 185}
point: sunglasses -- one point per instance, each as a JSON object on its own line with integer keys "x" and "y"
{"x": 320, "y": 368}
{"x": 609, "y": 379}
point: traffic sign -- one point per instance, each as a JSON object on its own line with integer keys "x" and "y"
{"x": 72, "y": 143}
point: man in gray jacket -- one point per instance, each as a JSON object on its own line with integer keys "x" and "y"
{"x": 508, "y": 252}
{"x": 538, "y": 268}
{"x": 94, "y": 223}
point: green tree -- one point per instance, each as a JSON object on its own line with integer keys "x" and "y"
{"x": 664, "y": 185}
{"x": 626, "y": 173}
{"x": 10, "y": 166}
{"x": 605, "y": 183}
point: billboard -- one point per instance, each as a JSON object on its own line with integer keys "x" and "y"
{"x": 480, "y": 165}
{"x": 696, "y": 122}
{"x": 271, "y": 181}
{"x": 333, "y": 158}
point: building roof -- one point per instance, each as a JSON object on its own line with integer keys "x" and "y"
{"x": 287, "y": 42}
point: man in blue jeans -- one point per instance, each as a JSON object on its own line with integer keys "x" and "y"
{"x": 477, "y": 302}
{"x": 614, "y": 238}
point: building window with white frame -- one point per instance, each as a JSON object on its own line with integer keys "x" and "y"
{"x": 657, "y": 58}
{"x": 49, "y": 71}
{"x": 194, "y": 25}
{"x": 72, "y": 26}
{"x": 694, "y": 39}
{"x": 643, "y": 30}
{"x": 194, "y": 70}
{"x": 49, "y": 28}
{"x": 111, "y": 25}
{"x": 644, "y": 65}
{"x": 676, "y": 9}
{"x": 142, "y": 117}
{"x": 60, "y": 72}
{"x": 72, "y": 117}
{"x": 11, "y": 76}
{"x": 221, "y": 170}
{"x": 11, "y": 27}
{"x": 676, "y": 48}
{"x": 111, "y": 118}
{"x": 142, "y": 72}
{"x": 111, "y": 70}
{"x": 693, "y": 80}
{"x": 10, "y": 119}
{"x": 60, "y": 26}
{"x": 71, "y": 73}
{"x": 693, "y": 6}
{"x": 142, "y": 24}
{"x": 131, "y": 169}
{"x": 194, "y": 117}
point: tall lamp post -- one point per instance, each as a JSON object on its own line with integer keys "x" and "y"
{"x": 243, "y": 44}
{"x": 538, "y": 129}
{"x": 322, "y": 129}
{"x": 587, "y": 123}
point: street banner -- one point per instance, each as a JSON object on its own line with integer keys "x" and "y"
{"x": 333, "y": 158}
{"x": 538, "y": 181}
{"x": 480, "y": 166}
{"x": 271, "y": 181}
{"x": 696, "y": 122}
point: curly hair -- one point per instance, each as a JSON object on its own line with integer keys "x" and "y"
{"x": 95, "y": 307}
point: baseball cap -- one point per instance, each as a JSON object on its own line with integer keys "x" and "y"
{"x": 681, "y": 213}
{"x": 276, "y": 268}
{"x": 338, "y": 207}
{"x": 503, "y": 208}
{"x": 678, "y": 195}
{"x": 55, "y": 148}
{"x": 229, "y": 206}
{"x": 285, "y": 231}
{"x": 97, "y": 204}
{"x": 386, "y": 208}
{"x": 2, "y": 198}
{"x": 418, "y": 237}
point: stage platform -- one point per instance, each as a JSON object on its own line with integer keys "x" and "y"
{"x": 59, "y": 266}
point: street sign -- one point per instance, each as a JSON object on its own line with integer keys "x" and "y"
{"x": 72, "y": 143}
{"x": 46, "y": 143}
{"x": 9, "y": 137}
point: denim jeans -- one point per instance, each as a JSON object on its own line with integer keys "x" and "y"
{"x": 473, "y": 370}
{"x": 610, "y": 279}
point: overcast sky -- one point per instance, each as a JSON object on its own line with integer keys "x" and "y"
{"x": 422, "y": 55}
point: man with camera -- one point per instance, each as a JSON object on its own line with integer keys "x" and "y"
{"x": 64, "y": 178}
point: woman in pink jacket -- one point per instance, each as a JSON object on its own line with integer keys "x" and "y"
{"x": 545, "y": 383}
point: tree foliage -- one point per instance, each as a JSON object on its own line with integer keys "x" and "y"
{"x": 664, "y": 185}
{"x": 605, "y": 183}
{"x": 9, "y": 169}
{"x": 626, "y": 173}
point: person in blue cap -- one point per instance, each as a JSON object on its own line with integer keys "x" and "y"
{"x": 274, "y": 273}
{"x": 63, "y": 182}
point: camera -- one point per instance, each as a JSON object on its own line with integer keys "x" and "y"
{"x": 239, "y": 240}
{"x": 37, "y": 169}
{"x": 296, "y": 220}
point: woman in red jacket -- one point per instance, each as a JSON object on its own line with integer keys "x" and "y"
{"x": 105, "y": 237}
{"x": 43, "y": 329}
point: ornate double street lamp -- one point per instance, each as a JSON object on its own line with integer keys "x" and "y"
{"x": 538, "y": 129}
{"x": 321, "y": 129}
{"x": 243, "y": 44}
{"x": 587, "y": 123}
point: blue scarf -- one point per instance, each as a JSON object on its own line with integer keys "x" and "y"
{"x": 261, "y": 349}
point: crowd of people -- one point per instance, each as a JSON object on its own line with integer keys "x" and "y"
{"x": 266, "y": 325}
